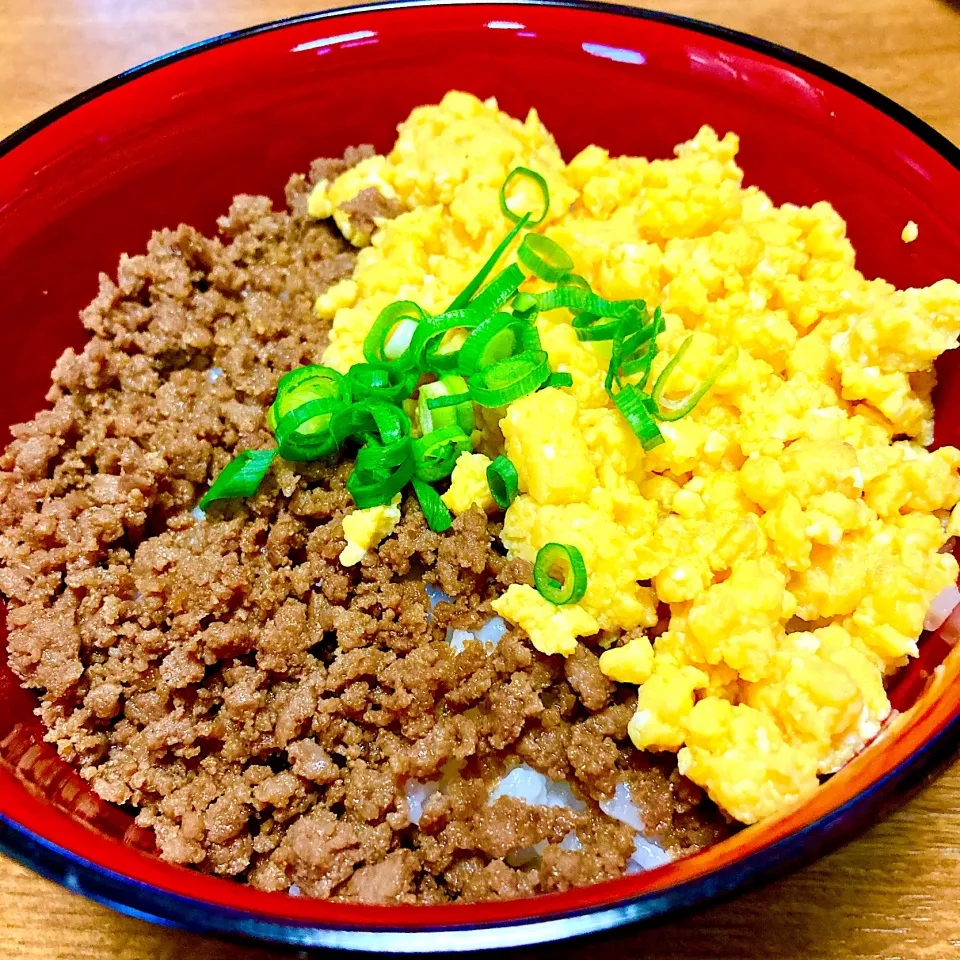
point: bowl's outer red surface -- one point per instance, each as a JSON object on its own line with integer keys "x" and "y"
{"x": 174, "y": 143}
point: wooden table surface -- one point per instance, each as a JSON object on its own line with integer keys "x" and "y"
{"x": 894, "y": 893}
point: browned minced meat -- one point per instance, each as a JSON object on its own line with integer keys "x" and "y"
{"x": 369, "y": 206}
{"x": 263, "y": 707}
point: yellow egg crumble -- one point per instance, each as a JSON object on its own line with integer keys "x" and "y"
{"x": 792, "y": 522}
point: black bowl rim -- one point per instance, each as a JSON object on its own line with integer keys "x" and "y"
{"x": 143, "y": 901}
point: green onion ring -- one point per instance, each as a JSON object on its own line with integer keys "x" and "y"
{"x": 241, "y": 477}
{"x": 381, "y": 381}
{"x": 495, "y": 339}
{"x": 509, "y": 379}
{"x": 561, "y": 379}
{"x": 375, "y": 459}
{"x": 435, "y": 454}
{"x": 634, "y": 405}
{"x": 304, "y": 434}
{"x": 484, "y": 305}
{"x": 544, "y": 257}
{"x": 310, "y": 382}
{"x": 632, "y": 334}
{"x": 574, "y": 296}
{"x": 331, "y": 383}
{"x": 435, "y": 511}
{"x": 445, "y": 403}
{"x": 570, "y": 559}
{"x": 392, "y": 316}
{"x": 463, "y": 298}
{"x": 370, "y": 420}
{"x": 525, "y": 307}
{"x": 503, "y": 481}
{"x": 674, "y": 410}
{"x": 374, "y": 491}
{"x": 544, "y": 192}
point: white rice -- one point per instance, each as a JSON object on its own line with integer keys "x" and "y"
{"x": 198, "y": 514}
{"x": 492, "y": 631}
{"x": 621, "y": 807}
{"x": 489, "y": 635}
{"x": 214, "y": 374}
{"x": 435, "y": 595}
{"x": 647, "y": 854}
{"x": 526, "y": 784}
{"x": 458, "y": 638}
{"x": 570, "y": 842}
{"x": 417, "y": 795}
{"x": 527, "y": 855}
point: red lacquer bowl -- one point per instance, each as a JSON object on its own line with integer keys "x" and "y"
{"x": 173, "y": 140}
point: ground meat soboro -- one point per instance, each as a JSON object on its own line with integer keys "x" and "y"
{"x": 262, "y": 707}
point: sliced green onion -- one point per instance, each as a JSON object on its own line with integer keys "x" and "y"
{"x": 495, "y": 339}
{"x": 558, "y": 380}
{"x": 503, "y": 481}
{"x": 433, "y": 343}
{"x": 509, "y": 379}
{"x": 241, "y": 477}
{"x": 594, "y": 317}
{"x": 525, "y": 307}
{"x": 642, "y": 349}
{"x": 575, "y": 280}
{"x": 435, "y": 511}
{"x": 390, "y": 330}
{"x": 398, "y": 341}
{"x": 370, "y": 420}
{"x": 496, "y": 293}
{"x": 445, "y": 403}
{"x": 463, "y": 298}
{"x": 376, "y": 460}
{"x": 675, "y": 409}
{"x": 442, "y": 402}
{"x": 435, "y": 454}
{"x": 634, "y": 345}
{"x": 544, "y": 257}
{"x": 566, "y": 560}
{"x": 544, "y": 192}
{"x": 635, "y": 405}
{"x": 374, "y": 490}
{"x": 381, "y": 381}
{"x": 642, "y": 362}
{"x": 330, "y": 382}
{"x": 304, "y": 434}
{"x": 310, "y": 382}
{"x": 574, "y": 296}
{"x": 428, "y": 342}
{"x": 588, "y": 326}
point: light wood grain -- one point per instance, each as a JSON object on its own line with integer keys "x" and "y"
{"x": 895, "y": 892}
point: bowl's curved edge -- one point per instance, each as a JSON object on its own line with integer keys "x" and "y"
{"x": 139, "y": 900}
{"x": 135, "y": 899}
{"x": 903, "y": 116}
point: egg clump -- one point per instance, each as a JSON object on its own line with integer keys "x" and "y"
{"x": 774, "y": 559}
{"x": 364, "y": 529}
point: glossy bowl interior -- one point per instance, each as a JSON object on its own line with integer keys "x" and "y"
{"x": 173, "y": 141}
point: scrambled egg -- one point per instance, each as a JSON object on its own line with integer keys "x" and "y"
{"x": 552, "y": 629}
{"x": 792, "y": 522}
{"x": 468, "y": 485}
{"x": 364, "y": 529}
